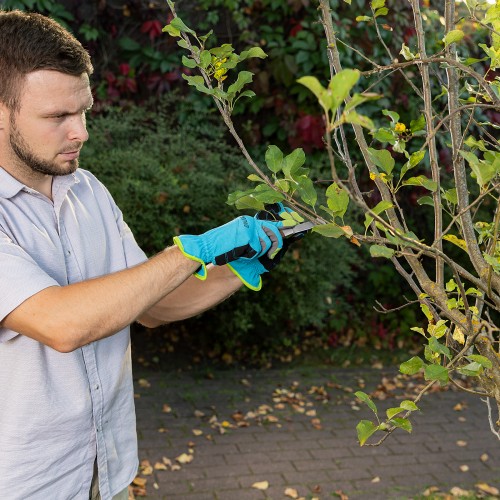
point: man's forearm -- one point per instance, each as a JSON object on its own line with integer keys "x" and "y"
{"x": 193, "y": 297}
{"x": 69, "y": 317}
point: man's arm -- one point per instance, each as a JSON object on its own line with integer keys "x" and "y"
{"x": 66, "y": 318}
{"x": 193, "y": 297}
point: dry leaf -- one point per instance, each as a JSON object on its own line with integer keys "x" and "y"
{"x": 491, "y": 490}
{"x": 139, "y": 481}
{"x": 484, "y": 457}
{"x": 460, "y": 406}
{"x": 144, "y": 383}
{"x": 311, "y": 413}
{"x": 167, "y": 461}
{"x": 464, "y": 468}
{"x": 160, "y": 466}
{"x": 459, "y": 492}
{"x": 341, "y": 495}
{"x": 166, "y": 408}
{"x": 376, "y": 480}
{"x": 184, "y": 458}
{"x": 430, "y": 491}
{"x": 147, "y": 471}
{"x": 461, "y": 443}
{"x": 291, "y": 493}
{"x": 198, "y": 413}
{"x": 197, "y": 432}
{"x": 262, "y": 485}
{"x": 245, "y": 382}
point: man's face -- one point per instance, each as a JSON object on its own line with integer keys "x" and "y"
{"x": 49, "y": 129}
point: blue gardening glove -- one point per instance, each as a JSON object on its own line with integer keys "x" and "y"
{"x": 250, "y": 271}
{"x": 244, "y": 237}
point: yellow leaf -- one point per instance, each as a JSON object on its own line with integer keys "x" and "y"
{"x": 139, "y": 481}
{"x": 197, "y": 432}
{"x": 464, "y": 468}
{"x": 458, "y": 336}
{"x": 160, "y": 466}
{"x": 456, "y": 241}
{"x": 461, "y": 443}
{"x": 184, "y": 458}
{"x": 491, "y": 490}
{"x": 291, "y": 493}
{"x": 262, "y": 485}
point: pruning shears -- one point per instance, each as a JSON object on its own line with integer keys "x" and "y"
{"x": 287, "y": 232}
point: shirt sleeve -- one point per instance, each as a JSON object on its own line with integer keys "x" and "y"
{"x": 20, "y": 279}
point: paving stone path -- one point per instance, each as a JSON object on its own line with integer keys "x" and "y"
{"x": 296, "y": 429}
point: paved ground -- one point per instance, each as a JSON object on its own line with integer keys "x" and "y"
{"x": 296, "y": 429}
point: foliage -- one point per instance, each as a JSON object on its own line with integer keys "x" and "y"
{"x": 456, "y": 298}
{"x": 140, "y": 155}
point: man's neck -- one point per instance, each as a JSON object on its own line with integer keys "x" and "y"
{"x": 34, "y": 180}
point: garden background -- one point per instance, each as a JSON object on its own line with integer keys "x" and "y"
{"x": 164, "y": 154}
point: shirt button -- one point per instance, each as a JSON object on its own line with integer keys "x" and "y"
{"x": 96, "y": 387}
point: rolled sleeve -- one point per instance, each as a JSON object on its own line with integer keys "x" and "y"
{"x": 20, "y": 279}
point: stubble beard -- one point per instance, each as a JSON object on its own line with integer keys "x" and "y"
{"x": 28, "y": 157}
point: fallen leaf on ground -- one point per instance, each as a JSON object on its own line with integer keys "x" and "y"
{"x": 461, "y": 443}
{"x": 341, "y": 495}
{"x": 460, "y": 406}
{"x": 491, "y": 490}
{"x": 139, "y": 481}
{"x": 144, "y": 383}
{"x": 464, "y": 468}
{"x": 429, "y": 491}
{"x": 166, "y": 408}
{"x": 484, "y": 457}
{"x": 262, "y": 485}
{"x": 376, "y": 480}
{"x": 184, "y": 458}
{"x": 160, "y": 466}
{"x": 459, "y": 492}
{"x": 291, "y": 493}
{"x": 197, "y": 432}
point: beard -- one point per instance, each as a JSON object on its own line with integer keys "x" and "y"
{"x": 28, "y": 157}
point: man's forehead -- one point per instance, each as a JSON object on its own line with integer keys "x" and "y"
{"x": 47, "y": 88}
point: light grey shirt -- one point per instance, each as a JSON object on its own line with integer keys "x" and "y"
{"x": 58, "y": 409}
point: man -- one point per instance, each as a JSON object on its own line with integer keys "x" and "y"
{"x": 72, "y": 280}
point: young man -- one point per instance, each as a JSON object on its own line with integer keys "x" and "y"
{"x": 72, "y": 280}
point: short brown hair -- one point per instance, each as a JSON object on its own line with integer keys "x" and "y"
{"x": 31, "y": 42}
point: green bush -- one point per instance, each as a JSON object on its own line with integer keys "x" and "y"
{"x": 170, "y": 171}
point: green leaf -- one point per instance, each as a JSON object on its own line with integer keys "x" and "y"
{"x": 361, "y": 19}
{"x": 253, "y": 52}
{"x": 306, "y": 190}
{"x": 409, "y": 405}
{"x": 205, "y": 59}
{"x": 381, "y": 12}
{"x": 365, "y": 429}
{"x": 417, "y": 125}
{"x": 392, "y": 115}
{"x": 255, "y": 178}
{"x": 377, "y": 210}
{"x": 414, "y": 160}
{"x": 198, "y": 82}
{"x": 421, "y": 180}
{"x": 341, "y": 85}
{"x": 483, "y": 361}
{"x": 426, "y": 200}
{"x": 172, "y": 32}
{"x": 392, "y": 412}
{"x": 178, "y": 24}
{"x": 358, "y": 99}
{"x": 266, "y": 194}
{"x": 129, "y": 44}
{"x": 383, "y": 159}
{"x": 402, "y": 423}
{"x": 274, "y": 158}
{"x": 439, "y": 348}
{"x": 384, "y": 135}
{"x": 473, "y": 369}
{"x": 243, "y": 200}
{"x": 188, "y": 62}
{"x": 282, "y": 185}
{"x": 453, "y": 36}
{"x": 381, "y": 251}
{"x": 377, "y": 4}
{"x": 451, "y": 195}
{"x": 321, "y": 93}
{"x": 412, "y": 366}
{"x": 407, "y": 53}
{"x": 337, "y": 200}
{"x": 330, "y": 230}
{"x": 366, "y": 399}
{"x": 244, "y": 77}
{"x": 293, "y": 161}
{"x": 357, "y": 119}
{"x": 436, "y": 372}
{"x": 456, "y": 241}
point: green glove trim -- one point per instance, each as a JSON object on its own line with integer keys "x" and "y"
{"x": 201, "y": 272}
{"x": 255, "y": 287}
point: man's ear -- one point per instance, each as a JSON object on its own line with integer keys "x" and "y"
{"x": 3, "y": 116}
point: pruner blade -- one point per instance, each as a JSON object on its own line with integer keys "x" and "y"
{"x": 299, "y": 228}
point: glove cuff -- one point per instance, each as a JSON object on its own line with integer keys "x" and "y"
{"x": 248, "y": 276}
{"x": 201, "y": 272}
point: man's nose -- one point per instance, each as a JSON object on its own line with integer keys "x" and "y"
{"x": 78, "y": 128}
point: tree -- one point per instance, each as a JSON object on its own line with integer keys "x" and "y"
{"x": 454, "y": 269}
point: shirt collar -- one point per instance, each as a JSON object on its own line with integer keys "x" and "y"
{"x": 10, "y": 186}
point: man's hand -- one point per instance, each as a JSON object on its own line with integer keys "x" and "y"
{"x": 250, "y": 271}
{"x": 246, "y": 238}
